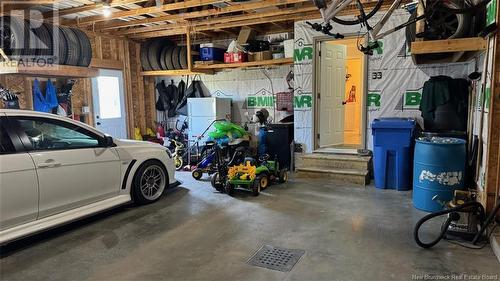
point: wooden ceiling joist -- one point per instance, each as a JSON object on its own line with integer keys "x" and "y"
{"x": 199, "y": 14}
{"x": 139, "y": 12}
{"x": 92, "y": 7}
{"x": 213, "y": 21}
{"x": 301, "y": 16}
{"x": 287, "y": 14}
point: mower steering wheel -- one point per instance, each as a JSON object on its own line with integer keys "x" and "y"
{"x": 264, "y": 157}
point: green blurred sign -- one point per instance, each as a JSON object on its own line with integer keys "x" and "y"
{"x": 491, "y": 12}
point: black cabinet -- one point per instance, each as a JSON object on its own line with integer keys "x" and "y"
{"x": 278, "y": 140}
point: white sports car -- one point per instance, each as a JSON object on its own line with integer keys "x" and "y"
{"x": 54, "y": 170}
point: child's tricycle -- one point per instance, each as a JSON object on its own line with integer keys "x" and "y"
{"x": 206, "y": 165}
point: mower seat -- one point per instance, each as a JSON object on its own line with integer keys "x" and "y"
{"x": 238, "y": 157}
{"x": 251, "y": 160}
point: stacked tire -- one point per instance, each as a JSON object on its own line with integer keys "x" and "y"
{"x": 22, "y": 40}
{"x": 162, "y": 54}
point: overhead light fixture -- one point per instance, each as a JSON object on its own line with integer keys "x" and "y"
{"x": 106, "y": 11}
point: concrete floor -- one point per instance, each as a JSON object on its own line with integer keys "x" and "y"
{"x": 194, "y": 233}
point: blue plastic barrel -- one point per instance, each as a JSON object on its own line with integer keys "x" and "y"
{"x": 438, "y": 169}
{"x": 392, "y": 157}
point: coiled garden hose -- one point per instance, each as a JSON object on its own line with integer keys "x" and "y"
{"x": 454, "y": 216}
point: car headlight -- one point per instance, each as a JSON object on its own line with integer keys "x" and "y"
{"x": 169, "y": 153}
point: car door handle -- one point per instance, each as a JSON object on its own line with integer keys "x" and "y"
{"x": 49, "y": 164}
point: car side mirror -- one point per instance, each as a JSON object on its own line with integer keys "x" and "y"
{"x": 108, "y": 141}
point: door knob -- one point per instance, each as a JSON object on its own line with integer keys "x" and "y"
{"x": 98, "y": 123}
{"x": 51, "y": 163}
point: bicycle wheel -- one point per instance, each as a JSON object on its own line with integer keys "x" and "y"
{"x": 467, "y": 6}
{"x": 370, "y": 10}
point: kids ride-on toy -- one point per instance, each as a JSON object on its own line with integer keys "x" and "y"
{"x": 254, "y": 178}
{"x": 207, "y": 164}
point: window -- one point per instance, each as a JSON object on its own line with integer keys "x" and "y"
{"x": 6, "y": 145}
{"x": 109, "y": 97}
{"x": 47, "y": 134}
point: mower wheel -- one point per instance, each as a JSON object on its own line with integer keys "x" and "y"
{"x": 216, "y": 183}
{"x": 197, "y": 174}
{"x": 256, "y": 187}
{"x": 263, "y": 180}
{"x": 230, "y": 189}
{"x": 283, "y": 176}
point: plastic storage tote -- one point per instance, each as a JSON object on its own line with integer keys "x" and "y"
{"x": 439, "y": 169}
{"x": 392, "y": 152}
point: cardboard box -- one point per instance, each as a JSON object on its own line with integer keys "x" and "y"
{"x": 258, "y": 56}
{"x": 246, "y": 33}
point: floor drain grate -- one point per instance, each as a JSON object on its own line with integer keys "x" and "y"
{"x": 276, "y": 258}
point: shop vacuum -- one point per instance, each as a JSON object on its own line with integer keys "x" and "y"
{"x": 466, "y": 223}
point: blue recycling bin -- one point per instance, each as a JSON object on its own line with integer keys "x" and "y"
{"x": 392, "y": 152}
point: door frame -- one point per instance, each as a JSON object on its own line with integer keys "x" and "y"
{"x": 126, "y": 103}
{"x": 317, "y": 84}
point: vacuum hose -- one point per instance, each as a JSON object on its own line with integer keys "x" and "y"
{"x": 454, "y": 216}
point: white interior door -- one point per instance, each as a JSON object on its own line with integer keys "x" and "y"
{"x": 109, "y": 103}
{"x": 332, "y": 91}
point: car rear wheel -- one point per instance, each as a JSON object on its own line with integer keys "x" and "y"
{"x": 149, "y": 183}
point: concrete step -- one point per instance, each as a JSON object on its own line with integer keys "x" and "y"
{"x": 359, "y": 177}
{"x": 334, "y": 161}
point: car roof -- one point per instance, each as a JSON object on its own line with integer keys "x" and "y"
{"x": 19, "y": 112}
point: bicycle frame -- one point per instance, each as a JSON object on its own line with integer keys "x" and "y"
{"x": 373, "y": 32}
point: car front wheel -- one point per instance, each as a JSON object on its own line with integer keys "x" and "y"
{"x": 149, "y": 183}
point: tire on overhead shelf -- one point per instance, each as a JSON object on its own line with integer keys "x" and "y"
{"x": 154, "y": 52}
{"x": 438, "y": 57}
{"x": 176, "y": 57}
{"x": 183, "y": 57}
{"x": 163, "y": 56}
{"x": 74, "y": 50}
{"x": 85, "y": 47}
{"x": 168, "y": 58}
{"x": 59, "y": 50}
{"x": 448, "y": 25}
{"x": 14, "y": 37}
{"x": 46, "y": 42}
{"x": 31, "y": 44}
{"x": 144, "y": 56}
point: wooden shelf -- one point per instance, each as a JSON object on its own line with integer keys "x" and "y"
{"x": 210, "y": 68}
{"x": 58, "y": 71}
{"x": 448, "y": 46}
{"x": 220, "y": 66}
{"x": 448, "y": 51}
{"x": 177, "y": 72}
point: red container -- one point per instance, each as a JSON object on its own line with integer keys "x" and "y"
{"x": 235, "y": 57}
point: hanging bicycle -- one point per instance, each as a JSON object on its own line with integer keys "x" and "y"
{"x": 434, "y": 14}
